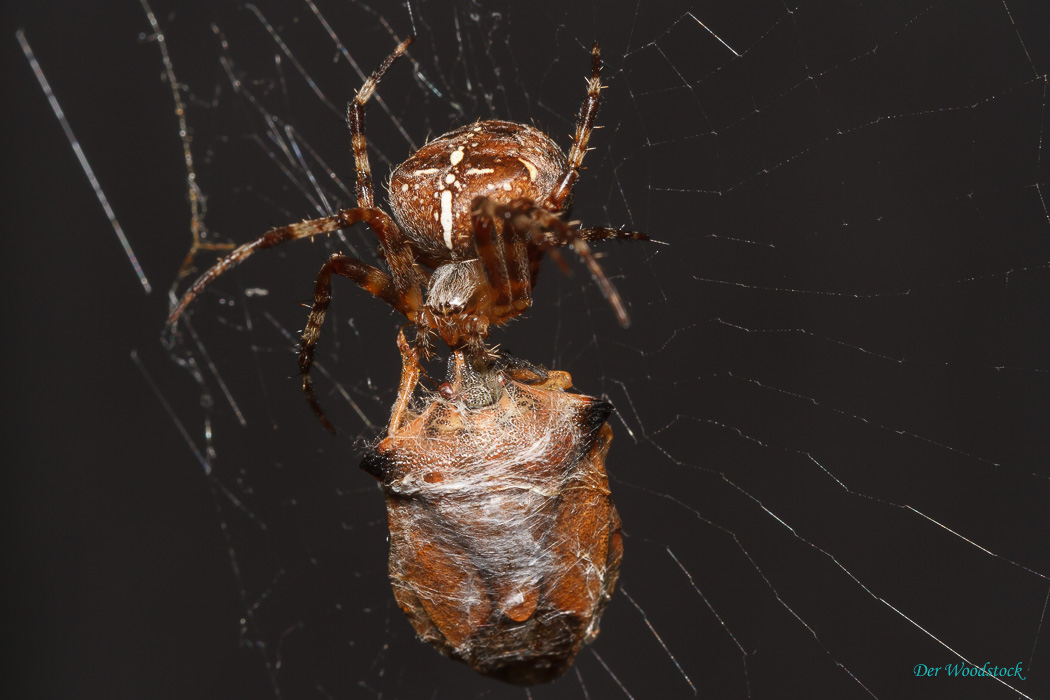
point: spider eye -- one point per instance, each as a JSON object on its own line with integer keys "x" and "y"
{"x": 452, "y": 307}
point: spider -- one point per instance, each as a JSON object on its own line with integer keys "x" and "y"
{"x": 474, "y": 212}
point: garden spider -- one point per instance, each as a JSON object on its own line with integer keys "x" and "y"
{"x": 474, "y": 211}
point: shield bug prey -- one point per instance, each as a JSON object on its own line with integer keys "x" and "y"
{"x": 505, "y": 544}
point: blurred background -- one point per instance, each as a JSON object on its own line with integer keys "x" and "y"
{"x": 831, "y": 448}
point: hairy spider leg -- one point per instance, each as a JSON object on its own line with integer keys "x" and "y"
{"x": 355, "y": 117}
{"x": 517, "y": 251}
{"x": 504, "y": 257}
{"x": 526, "y": 247}
{"x": 561, "y": 195}
{"x": 376, "y": 282}
{"x": 595, "y": 233}
{"x": 528, "y": 231}
{"x": 488, "y": 241}
{"x": 598, "y": 233}
{"x": 394, "y": 249}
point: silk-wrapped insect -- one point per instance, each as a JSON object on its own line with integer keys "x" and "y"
{"x": 505, "y": 545}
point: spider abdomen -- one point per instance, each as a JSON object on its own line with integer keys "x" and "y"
{"x": 505, "y": 544}
{"x": 431, "y": 192}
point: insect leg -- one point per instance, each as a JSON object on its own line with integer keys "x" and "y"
{"x": 410, "y": 371}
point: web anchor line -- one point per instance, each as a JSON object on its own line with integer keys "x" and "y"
{"x": 84, "y": 165}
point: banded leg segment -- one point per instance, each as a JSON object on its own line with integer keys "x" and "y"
{"x": 488, "y": 240}
{"x": 530, "y": 230}
{"x": 517, "y": 252}
{"x": 562, "y": 193}
{"x": 504, "y": 253}
{"x": 355, "y": 117}
{"x": 395, "y": 250}
{"x": 373, "y": 281}
{"x": 608, "y": 234}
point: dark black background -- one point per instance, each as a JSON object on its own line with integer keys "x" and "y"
{"x": 857, "y": 281}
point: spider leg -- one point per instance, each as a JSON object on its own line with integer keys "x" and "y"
{"x": 517, "y": 252}
{"x": 368, "y": 278}
{"x": 504, "y": 254}
{"x": 488, "y": 241}
{"x": 562, "y": 193}
{"x": 587, "y": 234}
{"x": 395, "y": 250}
{"x": 566, "y": 235}
{"x": 355, "y": 117}
{"x": 534, "y": 230}
{"x": 606, "y": 234}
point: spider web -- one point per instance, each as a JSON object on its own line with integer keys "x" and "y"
{"x": 831, "y": 448}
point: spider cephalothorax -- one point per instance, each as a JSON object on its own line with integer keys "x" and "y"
{"x": 474, "y": 212}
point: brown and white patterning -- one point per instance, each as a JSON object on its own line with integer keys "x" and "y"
{"x": 432, "y": 192}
